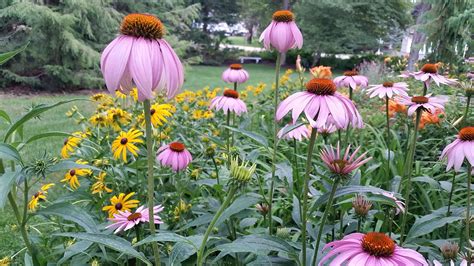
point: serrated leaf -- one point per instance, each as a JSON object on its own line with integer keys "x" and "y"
{"x": 6, "y": 182}
{"x": 111, "y": 241}
{"x": 71, "y": 213}
{"x": 9, "y": 152}
{"x": 34, "y": 112}
{"x": 241, "y": 203}
{"x": 9, "y": 55}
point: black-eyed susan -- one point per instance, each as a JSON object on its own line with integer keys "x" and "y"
{"x": 117, "y": 118}
{"x": 70, "y": 143}
{"x": 181, "y": 208}
{"x": 125, "y": 142}
{"x": 39, "y": 196}
{"x": 102, "y": 98}
{"x": 121, "y": 203}
{"x": 72, "y": 175}
{"x": 99, "y": 186}
{"x": 159, "y": 113}
{"x": 99, "y": 119}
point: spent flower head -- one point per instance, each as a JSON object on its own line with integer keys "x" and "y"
{"x": 241, "y": 173}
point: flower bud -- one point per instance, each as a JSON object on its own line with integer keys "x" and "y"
{"x": 361, "y": 205}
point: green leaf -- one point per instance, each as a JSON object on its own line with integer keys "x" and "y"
{"x": 255, "y": 244}
{"x": 6, "y": 182}
{"x": 428, "y": 223}
{"x": 342, "y": 191}
{"x": 163, "y": 237}
{"x": 9, "y": 152}
{"x": 111, "y": 241}
{"x": 240, "y": 204}
{"x": 34, "y": 112}
{"x": 47, "y": 135}
{"x": 71, "y": 213}
{"x": 9, "y": 55}
{"x": 77, "y": 248}
{"x": 5, "y": 116}
{"x": 258, "y": 138}
{"x": 182, "y": 251}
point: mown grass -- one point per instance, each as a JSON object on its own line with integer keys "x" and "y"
{"x": 240, "y": 40}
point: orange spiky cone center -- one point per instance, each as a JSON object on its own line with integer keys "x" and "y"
{"x": 378, "y": 244}
{"x": 419, "y": 99}
{"x": 177, "y": 146}
{"x": 231, "y": 93}
{"x": 134, "y": 216}
{"x": 283, "y": 16}
{"x": 351, "y": 73}
{"x": 466, "y": 134}
{"x": 430, "y": 68}
{"x": 235, "y": 66}
{"x": 388, "y": 84}
{"x": 321, "y": 86}
{"x": 142, "y": 25}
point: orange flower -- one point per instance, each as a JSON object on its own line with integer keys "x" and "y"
{"x": 395, "y": 107}
{"x": 323, "y": 72}
{"x": 429, "y": 118}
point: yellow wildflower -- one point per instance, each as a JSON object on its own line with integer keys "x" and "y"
{"x": 99, "y": 119}
{"x": 125, "y": 142}
{"x": 180, "y": 209}
{"x": 39, "y": 196}
{"x": 117, "y": 117}
{"x": 159, "y": 113}
{"x": 72, "y": 175}
{"x": 99, "y": 186}
{"x": 121, "y": 203}
{"x": 70, "y": 143}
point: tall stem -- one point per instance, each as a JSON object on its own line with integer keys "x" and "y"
{"x": 233, "y": 117}
{"x": 425, "y": 87}
{"x": 151, "y": 179}
{"x": 448, "y": 213}
{"x": 468, "y": 212}
{"x": 305, "y": 193}
{"x": 408, "y": 173}
{"x": 323, "y": 220}
{"x": 350, "y": 92}
{"x": 219, "y": 212}
{"x": 296, "y": 186}
{"x": 228, "y": 139}
{"x": 275, "y": 140}
{"x": 466, "y": 111}
{"x": 388, "y": 135}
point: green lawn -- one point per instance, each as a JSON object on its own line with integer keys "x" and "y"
{"x": 240, "y": 40}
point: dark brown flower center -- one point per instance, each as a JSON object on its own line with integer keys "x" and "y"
{"x": 134, "y": 216}
{"x": 430, "y": 68}
{"x": 321, "y": 86}
{"x": 72, "y": 172}
{"x": 177, "y": 146}
{"x": 467, "y": 134}
{"x": 37, "y": 194}
{"x": 340, "y": 163}
{"x": 236, "y": 66}
{"x": 123, "y": 141}
{"x": 142, "y": 25}
{"x": 65, "y": 141}
{"x": 118, "y": 206}
{"x": 378, "y": 244}
{"x": 283, "y": 16}
{"x": 388, "y": 84}
{"x": 152, "y": 111}
{"x": 231, "y": 93}
{"x": 419, "y": 99}
{"x": 351, "y": 73}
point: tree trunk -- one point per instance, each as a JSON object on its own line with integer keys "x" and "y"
{"x": 286, "y": 6}
{"x": 418, "y": 36}
{"x": 250, "y": 34}
{"x": 316, "y": 59}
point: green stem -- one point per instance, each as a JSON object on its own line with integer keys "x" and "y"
{"x": 323, "y": 220}
{"x": 233, "y": 117}
{"x": 448, "y": 213}
{"x": 151, "y": 180}
{"x": 24, "y": 234}
{"x": 425, "y": 87}
{"x": 468, "y": 212}
{"x": 408, "y": 173}
{"x": 390, "y": 221}
{"x": 466, "y": 111}
{"x": 388, "y": 136}
{"x": 350, "y": 92}
{"x": 219, "y": 212}
{"x": 296, "y": 176}
{"x": 228, "y": 139}
{"x": 216, "y": 169}
{"x": 305, "y": 194}
{"x": 275, "y": 141}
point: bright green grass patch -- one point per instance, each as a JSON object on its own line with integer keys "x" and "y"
{"x": 240, "y": 40}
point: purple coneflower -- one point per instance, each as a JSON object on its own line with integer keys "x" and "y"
{"x": 427, "y": 102}
{"x": 342, "y": 164}
{"x": 430, "y": 72}
{"x": 351, "y": 79}
{"x": 400, "y": 205}
{"x": 462, "y": 148}
{"x": 370, "y": 249}
{"x": 328, "y": 128}
{"x": 319, "y": 102}
{"x": 125, "y": 220}
{"x": 235, "y": 74}
{"x": 282, "y": 33}
{"x": 298, "y": 133}
{"x": 174, "y": 155}
{"x": 140, "y": 56}
{"x": 229, "y": 102}
{"x": 388, "y": 89}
